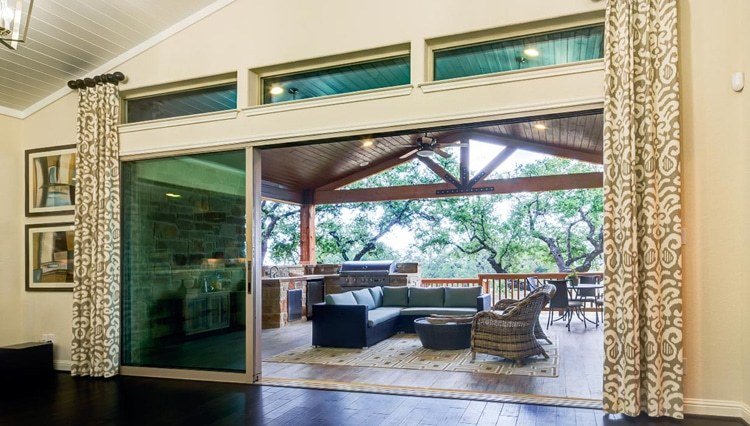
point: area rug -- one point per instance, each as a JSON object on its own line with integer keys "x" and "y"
{"x": 405, "y": 351}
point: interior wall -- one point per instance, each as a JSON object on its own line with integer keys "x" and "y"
{"x": 11, "y": 228}
{"x": 247, "y": 34}
{"x": 716, "y": 184}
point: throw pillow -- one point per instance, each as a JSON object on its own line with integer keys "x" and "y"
{"x": 395, "y": 296}
{"x": 426, "y": 297}
{"x": 363, "y": 297}
{"x": 462, "y": 297}
{"x": 377, "y": 295}
{"x": 341, "y": 299}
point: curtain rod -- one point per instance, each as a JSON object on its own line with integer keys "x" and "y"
{"x": 113, "y": 78}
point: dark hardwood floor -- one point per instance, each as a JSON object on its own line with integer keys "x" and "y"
{"x": 580, "y": 369}
{"x": 140, "y": 401}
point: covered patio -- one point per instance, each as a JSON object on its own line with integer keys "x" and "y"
{"x": 311, "y": 175}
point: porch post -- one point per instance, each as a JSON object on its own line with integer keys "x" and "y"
{"x": 307, "y": 233}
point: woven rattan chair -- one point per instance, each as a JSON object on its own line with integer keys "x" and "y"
{"x": 505, "y": 304}
{"x": 510, "y": 334}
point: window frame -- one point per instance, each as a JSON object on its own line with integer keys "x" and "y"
{"x": 507, "y": 34}
{"x": 174, "y": 88}
{"x": 257, "y": 75}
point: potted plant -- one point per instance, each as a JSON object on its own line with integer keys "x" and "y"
{"x": 573, "y": 277}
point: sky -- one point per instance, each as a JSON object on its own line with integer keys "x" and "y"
{"x": 480, "y": 153}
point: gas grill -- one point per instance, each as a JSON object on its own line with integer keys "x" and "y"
{"x": 366, "y": 273}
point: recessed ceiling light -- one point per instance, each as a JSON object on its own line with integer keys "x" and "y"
{"x": 276, "y": 90}
{"x": 364, "y": 164}
{"x": 367, "y": 143}
{"x": 540, "y": 126}
{"x": 531, "y": 52}
{"x": 172, "y": 195}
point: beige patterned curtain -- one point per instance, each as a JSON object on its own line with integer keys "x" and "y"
{"x": 642, "y": 235}
{"x": 96, "y": 295}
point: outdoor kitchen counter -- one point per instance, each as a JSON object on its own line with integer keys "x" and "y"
{"x": 298, "y": 277}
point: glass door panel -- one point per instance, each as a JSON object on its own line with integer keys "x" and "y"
{"x": 184, "y": 279}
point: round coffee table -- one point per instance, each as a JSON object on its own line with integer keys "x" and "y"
{"x": 443, "y": 336}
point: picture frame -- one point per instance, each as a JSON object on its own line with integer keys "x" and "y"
{"x": 50, "y": 180}
{"x": 49, "y": 256}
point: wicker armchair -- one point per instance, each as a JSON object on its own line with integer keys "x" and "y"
{"x": 505, "y": 304}
{"x": 511, "y": 334}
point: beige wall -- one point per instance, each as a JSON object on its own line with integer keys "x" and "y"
{"x": 11, "y": 230}
{"x": 716, "y": 154}
{"x": 249, "y": 35}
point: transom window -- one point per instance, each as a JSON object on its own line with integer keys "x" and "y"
{"x": 553, "y": 48}
{"x": 200, "y": 100}
{"x": 376, "y": 74}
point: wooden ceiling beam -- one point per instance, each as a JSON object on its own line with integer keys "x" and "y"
{"x": 440, "y": 171}
{"x": 281, "y": 193}
{"x": 441, "y": 190}
{"x": 492, "y": 165}
{"x": 382, "y": 166}
{"x": 533, "y": 146}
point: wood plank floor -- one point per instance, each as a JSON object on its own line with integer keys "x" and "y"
{"x": 580, "y": 370}
{"x": 141, "y": 401}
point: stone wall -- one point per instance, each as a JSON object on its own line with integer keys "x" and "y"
{"x": 173, "y": 246}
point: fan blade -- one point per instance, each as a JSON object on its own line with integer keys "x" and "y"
{"x": 441, "y": 153}
{"x": 409, "y": 153}
{"x": 452, "y": 144}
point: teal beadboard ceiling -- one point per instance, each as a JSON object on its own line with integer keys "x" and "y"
{"x": 350, "y": 78}
{"x": 561, "y": 47}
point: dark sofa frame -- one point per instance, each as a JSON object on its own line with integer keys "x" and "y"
{"x": 345, "y": 326}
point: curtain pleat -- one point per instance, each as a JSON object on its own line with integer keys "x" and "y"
{"x": 95, "y": 349}
{"x": 642, "y": 228}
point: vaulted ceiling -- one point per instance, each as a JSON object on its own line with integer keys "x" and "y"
{"x": 70, "y": 39}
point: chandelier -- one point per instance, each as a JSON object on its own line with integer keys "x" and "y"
{"x": 14, "y": 21}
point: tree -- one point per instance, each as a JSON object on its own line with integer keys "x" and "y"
{"x": 280, "y": 232}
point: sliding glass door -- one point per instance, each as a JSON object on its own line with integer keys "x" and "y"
{"x": 185, "y": 275}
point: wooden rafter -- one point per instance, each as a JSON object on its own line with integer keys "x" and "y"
{"x": 440, "y": 171}
{"x": 464, "y": 166}
{"x": 492, "y": 165}
{"x": 498, "y": 186}
{"x": 533, "y": 146}
{"x": 382, "y": 166}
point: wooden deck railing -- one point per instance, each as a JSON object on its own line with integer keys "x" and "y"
{"x": 501, "y": 286}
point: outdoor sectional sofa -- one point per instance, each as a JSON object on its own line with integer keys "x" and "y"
{"x": 362, "y": 318}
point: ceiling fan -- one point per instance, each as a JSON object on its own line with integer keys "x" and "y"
{"x": 427, "y": 146}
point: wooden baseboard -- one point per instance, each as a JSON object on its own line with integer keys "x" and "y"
{"x": 719, "y": 408}
{"x": 62, "y": 365}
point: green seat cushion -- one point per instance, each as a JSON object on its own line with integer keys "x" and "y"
{"x": 363, "y": 297}
{"x": 438, "y": 311}
{"x": 462, "y": 297}
{"x": 379, "y": 315}
{"x": 377, "y": 295}
{"x": 341, "y": 299}
{"x": 395, "y": 296}
{"x": 419, "y": 296}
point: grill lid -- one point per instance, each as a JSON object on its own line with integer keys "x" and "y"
{"x": 369, "y": 267}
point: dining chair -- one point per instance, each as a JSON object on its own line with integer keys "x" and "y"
{"x": 561, "y": 301}
{"x": 591, "y": 295}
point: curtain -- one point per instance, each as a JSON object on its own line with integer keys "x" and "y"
{"x": 96, "y": 293}
{"x": 642, "y": 230}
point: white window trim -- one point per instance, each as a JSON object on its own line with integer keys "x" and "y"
{"x": 183, "y": 120}
{"x": 511, "y": 76}
{"x": 343, "y": 98}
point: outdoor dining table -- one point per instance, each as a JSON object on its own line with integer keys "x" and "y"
{"x": 577, "y": 288}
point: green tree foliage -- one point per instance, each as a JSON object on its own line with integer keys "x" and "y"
{"x": 458, "y": 237}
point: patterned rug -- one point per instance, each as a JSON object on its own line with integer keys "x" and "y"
{"x": 405, "y": 351}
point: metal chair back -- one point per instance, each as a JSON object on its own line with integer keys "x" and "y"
{"x": 560, "y": 296}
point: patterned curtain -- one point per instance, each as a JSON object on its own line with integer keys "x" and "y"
{"x": 96, "y": 295}
{"x": 642, "y": 234}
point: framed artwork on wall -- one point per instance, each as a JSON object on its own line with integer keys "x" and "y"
{"x": 50, "y": 181}
{"x": 49, "y": 257}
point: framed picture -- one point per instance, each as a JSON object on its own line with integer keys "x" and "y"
{"x": 50, "y": 180}
{"x": 49, "y": 257}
